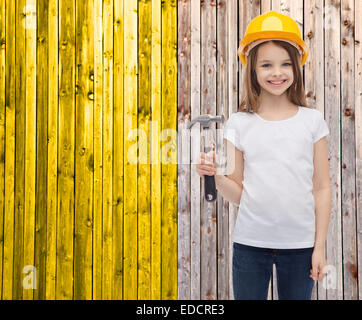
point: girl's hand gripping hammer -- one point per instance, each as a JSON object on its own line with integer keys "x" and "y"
{"x": 205, "y": 120}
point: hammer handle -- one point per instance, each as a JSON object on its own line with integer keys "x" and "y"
{"x": 210, "y": 187}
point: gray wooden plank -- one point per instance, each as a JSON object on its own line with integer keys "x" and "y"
{"x": 195, "y": 149}
{"x": 358, "y": 126}
{"x": 222, "y": 104}
{"x": 348, "y": 152}
{"x": 183, "y": 194}
{"x": 332, "y": 116}
{"x": 208, "y": 99}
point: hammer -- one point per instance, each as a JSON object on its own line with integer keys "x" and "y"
{"x": 205, "y": 120}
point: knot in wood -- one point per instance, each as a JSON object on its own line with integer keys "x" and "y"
{"x": 91, "y": 95}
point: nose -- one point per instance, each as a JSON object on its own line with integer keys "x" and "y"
{"x": 276, "y": 72}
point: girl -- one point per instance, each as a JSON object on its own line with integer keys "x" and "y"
{"x": 283, "y": 192}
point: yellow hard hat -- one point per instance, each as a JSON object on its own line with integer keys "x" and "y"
{"x": 272, "y": 26}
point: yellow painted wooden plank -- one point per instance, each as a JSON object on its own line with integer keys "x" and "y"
{"x": 130, "y": 151}
{"x": 169, "y": 149}
{"x": 118, "y": 149}
{"x": 2, "y": 135}
{"x": 20, "y": 108}
{"x": 51, "y": 218}
{"x": 42, "y": 72}
{"x": 9, "y": 151}
{"x": 97, "y": 143}
{"x": 30, "y": 149}
{"x": 107, "y": 145}
{"x": 144, "y": 173}
{"x": 65, "y": 213}
{"x": 155, "y": 151}
{"x": 84, "y": 151}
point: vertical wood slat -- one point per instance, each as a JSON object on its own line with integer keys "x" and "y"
{"x": 358, "y": 124}
{"x": 2, "y": 135}
{"x": 9, "y": 208}
{"x": 183, "y": 225}
{"x": 29, "y": 20}
{"x": 169, "y": 150}
{"x": 332, "y": 91}
{"x": 195, "y": 84}
{"x": 41, "y": 152}
{"x": 221, "y": 105}
{"x": 208, "y": 98}
{"x": 20, "y": 109}
{"x": 130, "y": 164}
{"x": 52, "y": 160}
{"x": 155, "y": 152}
{"x": 118, "y": 149}
{"x": 107, "y": 145}
{"x": 183, "y": 152}
{"x": 83, "y": 151}
{"x": 97, "y": 144}
{"x": 65, "y": 209}
{"x": 144, "y": 115}
{"x": 332, "y": 98}
{"x": 30, "y": 140}
{"x": 348, "y": 152}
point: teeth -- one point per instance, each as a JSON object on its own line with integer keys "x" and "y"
{"x": 280, "y": 82}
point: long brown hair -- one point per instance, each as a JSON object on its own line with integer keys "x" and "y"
{"x": 251, "y": 90}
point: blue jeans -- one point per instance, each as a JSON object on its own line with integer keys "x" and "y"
{"x": 252, "y": 268}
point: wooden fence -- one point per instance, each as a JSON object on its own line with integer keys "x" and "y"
{"x": 88, "y": 202}
{"x": 210, "y": 80}
{"x": 87, "y": 209}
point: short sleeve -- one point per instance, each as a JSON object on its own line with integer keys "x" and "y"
{"x": 320, "y": 128}
{"x": 231, "y": 131}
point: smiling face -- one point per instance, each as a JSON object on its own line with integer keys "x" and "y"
{"x": 274, "y": 70}
{"x": 258, "y": 92}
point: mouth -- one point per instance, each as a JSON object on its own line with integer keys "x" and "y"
{"x": 277, "y": 83}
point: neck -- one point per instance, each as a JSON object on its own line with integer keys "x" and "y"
{"x": 272, "y": 103}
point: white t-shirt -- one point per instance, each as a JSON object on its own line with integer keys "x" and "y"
{"x": 276, "y": 208}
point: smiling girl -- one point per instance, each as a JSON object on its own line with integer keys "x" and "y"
{"x": 277, "y": 160}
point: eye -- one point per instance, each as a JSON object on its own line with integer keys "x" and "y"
{"x": 266, "y": 65}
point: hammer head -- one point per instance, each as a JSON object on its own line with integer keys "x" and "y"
{"x": 205, "y": 120}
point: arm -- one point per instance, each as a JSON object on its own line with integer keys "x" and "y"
{"x": 230, "y": 186}
{"x": 322, "y": 198}
{"x": 321, "y": 192}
